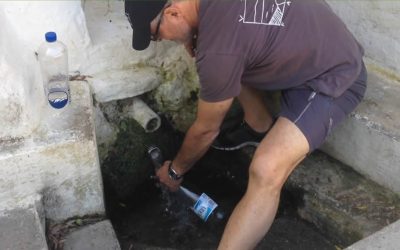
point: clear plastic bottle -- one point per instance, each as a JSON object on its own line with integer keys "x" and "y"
{"x": 53, "y": 59}
{"x": 203, "y": 206}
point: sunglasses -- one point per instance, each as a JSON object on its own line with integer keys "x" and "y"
{"x": 156, "y": 36}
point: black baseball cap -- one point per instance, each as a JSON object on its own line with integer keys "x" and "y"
{"x": 140, "y": 13}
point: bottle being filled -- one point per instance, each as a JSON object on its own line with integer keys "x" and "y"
{"x": 53, "y": 59}
{"x": 202, "y": 205}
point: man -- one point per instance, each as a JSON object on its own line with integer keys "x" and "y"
{"x": 244, "y": 47}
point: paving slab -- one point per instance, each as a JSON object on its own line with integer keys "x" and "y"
{"x": 22, "y": 229}
{"x": 99, "y": 236}
{"x": 342, "y": 203}
{"x": 386, "y": 239}
{"x": 369, "y": 141}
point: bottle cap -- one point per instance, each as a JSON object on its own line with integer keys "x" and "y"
{"x": 51, "y": 37}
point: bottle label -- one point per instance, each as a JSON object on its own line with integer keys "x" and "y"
{"x": 58, "y": 97}
{"x": 204, "y": 206}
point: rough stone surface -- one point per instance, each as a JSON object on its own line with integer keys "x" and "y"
{"x": 59, "y": 160}
{"x": 22, "y": 229}
{"x": 106, "y": 132}
{"x": 99, "y": 236}
{"x": 386, "y": 239}
{"x": 369, "y": 141}
{"x": 375, "y": 24}
{"x": 120, "y": 84}
{"x": 339, "y": 201}
{"x": 128, "y": 165}
{"x": 178, "y": 94}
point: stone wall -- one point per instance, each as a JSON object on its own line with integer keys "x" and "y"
{"x": 375, "y": 23}
{"x": 42, "y": 151}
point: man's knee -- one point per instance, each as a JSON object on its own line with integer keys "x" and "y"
{"x": 267, "y": 175}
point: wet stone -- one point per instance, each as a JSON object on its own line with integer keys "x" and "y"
{"x": 150, "y": 219}
{"x": 340, "y": 202}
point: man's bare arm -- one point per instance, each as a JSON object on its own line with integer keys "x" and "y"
{"x": 197, "y": 140}
{"x": 201, "y": 134}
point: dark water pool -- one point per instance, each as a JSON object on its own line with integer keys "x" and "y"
{"x": 151, "y": 219}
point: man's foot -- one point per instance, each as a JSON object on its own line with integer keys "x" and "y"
{"x": 237, "y": 137}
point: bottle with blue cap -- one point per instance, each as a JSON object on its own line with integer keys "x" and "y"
{"x": 202, "y": 205}
{"x": 53, "y": 59}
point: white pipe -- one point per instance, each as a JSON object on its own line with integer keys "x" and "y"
{"x": 146, "y": 117}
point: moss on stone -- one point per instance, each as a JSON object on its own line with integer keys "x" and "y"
{"x": 339, "y": 201}
{"x": 177, "y": 96}
{"x": 338, "y": 226}
{"x": 127, "y": 164}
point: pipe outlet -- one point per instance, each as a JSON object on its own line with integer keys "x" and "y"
{"x": 142, "y": 113}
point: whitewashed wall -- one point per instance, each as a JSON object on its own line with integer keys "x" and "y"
{"x": 376, "y": 24}
{"x": 98, "y": 37}
{"x": 52, "y": 153}
{"x": 23, "y": 24}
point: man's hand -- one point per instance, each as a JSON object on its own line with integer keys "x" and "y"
{"x": 165, "y": 179}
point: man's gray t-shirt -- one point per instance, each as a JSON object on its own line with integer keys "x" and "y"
{"x": 273, "y": 44}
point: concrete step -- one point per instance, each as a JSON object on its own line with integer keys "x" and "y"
{"x": 59, "y": 160}
{"x": 388, "y": 239}
{"x": 23, "y": 228}
{"x": 369, "y": 141}
{"x": 99, "y": 236}
{"x": 342, "y": 203}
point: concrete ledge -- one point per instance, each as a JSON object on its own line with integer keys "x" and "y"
{"x": 59, "y": 160}
{"x": 386, "y": 239}
{"x": 120, "y": 84}
{"x": 369, "y": 141}
{"x": 340, "y": 202}
{"x": 99, "y": 236}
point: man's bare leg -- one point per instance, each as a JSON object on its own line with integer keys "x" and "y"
{"x": 256, "y": 113}
{"x": 275, "y": 158}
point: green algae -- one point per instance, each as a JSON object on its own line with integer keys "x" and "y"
{"x": 177, "y": 97}
{"x": 127, "y": 164}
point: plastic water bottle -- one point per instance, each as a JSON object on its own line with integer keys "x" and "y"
{"x": 203, "y": 206}
{"x": 53, "y": 59}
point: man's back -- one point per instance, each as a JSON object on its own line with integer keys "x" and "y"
{"x": 274, "y": 44}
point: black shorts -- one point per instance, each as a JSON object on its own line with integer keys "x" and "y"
{"x": 316, "y": 114}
